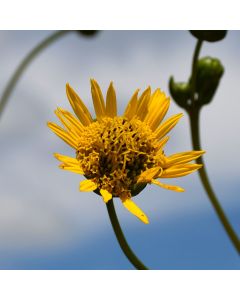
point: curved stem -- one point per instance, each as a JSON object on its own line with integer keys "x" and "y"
{"x": 194, "y": 122}
{"x": 121, "y": 238}
{"x": 26, "y": 61}
{"x": 194, "y": 69}
{"x": 194, "y": 113}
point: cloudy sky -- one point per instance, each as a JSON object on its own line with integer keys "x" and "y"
{"x": 46, "y": 223}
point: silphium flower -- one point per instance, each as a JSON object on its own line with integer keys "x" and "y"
{"x": 120, "y": 155}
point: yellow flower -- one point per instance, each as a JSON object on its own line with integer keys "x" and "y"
{"x": 119, "y": 155}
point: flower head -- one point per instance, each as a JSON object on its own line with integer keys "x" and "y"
{"x": 120, "y": 155}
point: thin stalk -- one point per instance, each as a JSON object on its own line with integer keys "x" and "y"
{"x": 121, "y": 238}
{"x": 23, "y": 65}
{"x": 194, "y": 69}
{"x": 194, "y": 122}
{"x": 194, "y": 113}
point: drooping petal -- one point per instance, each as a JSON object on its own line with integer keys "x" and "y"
{"x": 87, "y": 185}
{"x": 64, "y": 135}
{"x": 158, "y": 108}
{"x": 78, "y": 106}
{"x": 111, "y": 102}
{"x": 134, "y": 209}
{"x": 167, "y": 186}
{"x": 182, "y": 158}
{"x": 98, "y": 100}
{"x": 163, "y": 129}
{"x": 106, "y": 195}
{"x": 149, "y": 174}
{"x": 131, "y": 108}
{"x": 180, "y": 170}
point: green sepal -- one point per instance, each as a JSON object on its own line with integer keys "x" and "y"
{"x": 180, "y": 92}
{"x": 137, "y": 188}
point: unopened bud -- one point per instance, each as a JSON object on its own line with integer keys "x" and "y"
{"x": 87, "y": 33}
{"x": 180, "y": 92}
{"x": 209, "y": 35}
{"x": 209, "y": 73}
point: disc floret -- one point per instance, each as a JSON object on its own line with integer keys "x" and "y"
{"x": 120, "y": 155}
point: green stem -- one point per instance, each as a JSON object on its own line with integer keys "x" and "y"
{"x": 194, "y": 70}
{"x": 194, "y": 122}
{"x": 121, "y": 238}
{"x": 23, "y": 65}
{"x": 194, "y": 113}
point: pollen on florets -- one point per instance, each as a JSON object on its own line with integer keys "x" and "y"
{"x": 115, "y": 151}
{"x": 120, "y": 155}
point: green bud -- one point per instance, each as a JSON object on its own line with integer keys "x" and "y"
{"x": 180, "y": 92}
{"x": 209, "y": 73}
{"x": 209, "y": 35}
{"x": 87, "y": 33}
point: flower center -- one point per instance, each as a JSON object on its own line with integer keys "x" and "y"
{"x": 115, "y": 151}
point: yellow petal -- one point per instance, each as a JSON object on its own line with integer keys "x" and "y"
{"x": 66, "y": 136}
{"x": 149, "y": 174}
{"x": 74, "y": 169}
{"x": 182, "y": 158}
{"x": 144, "y": 93}
{"x": 167, "y": 126}
{"x": 167, "y": 186}
{"x": 66, "y": 159}
{"x": 98, "y": 100}
{"x": 135, "y": 210}
{"x": 69, "y": 163}
{"x": 111, "y": 102}
{"x": 143, "y": 102}
{"x": 71, "y": 130}
{"x": 180, "y": 170}
{"x": 106, "y": 195}
{"x": 131, "y": 108}
{"x": 162, "y": 143}
{"x": 75, "y": 123}
{"x": 78, "y": 106}
{"x": 158, "y": 108}
{"x": 87, "y": 186}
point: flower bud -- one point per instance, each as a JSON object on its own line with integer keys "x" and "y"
{"x": 87, "y": 33}
{"x": 180, "y": 92}
{"x": 209, "y": 73}
{"x": 209, "y": 35}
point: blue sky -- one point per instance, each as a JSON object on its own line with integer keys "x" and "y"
{"x": 46, "y": 223}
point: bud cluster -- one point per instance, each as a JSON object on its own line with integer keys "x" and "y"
{"x": 202, "y": 85}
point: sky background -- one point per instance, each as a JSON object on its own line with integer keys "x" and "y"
{"x": 46, "y": 223}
